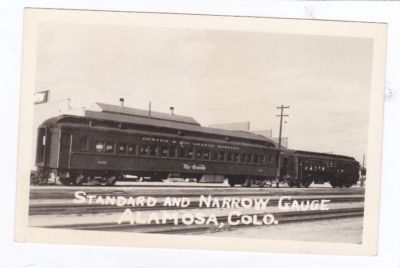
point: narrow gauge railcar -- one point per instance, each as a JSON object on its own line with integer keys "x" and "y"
{"x": 106, "y": 147}
{"x": 301, "y": 168}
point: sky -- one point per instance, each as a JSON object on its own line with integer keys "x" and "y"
{"x": 215, "y": 77}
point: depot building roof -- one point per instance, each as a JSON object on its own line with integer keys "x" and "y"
{"x": 123, "y": 110}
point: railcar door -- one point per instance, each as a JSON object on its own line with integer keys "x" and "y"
{"x": 41, "y": 147}
{"x": 284, "y": 166}
{"x": 65, "y": 150}
{"x": 300, "y": 169}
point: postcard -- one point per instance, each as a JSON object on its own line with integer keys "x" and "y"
{"x": 200, "y": 132}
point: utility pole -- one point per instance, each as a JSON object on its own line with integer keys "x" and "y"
{"x": 281, "y": 115}
{"x": 149, "y": 109}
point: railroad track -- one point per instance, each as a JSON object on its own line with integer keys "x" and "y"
{"x": 170, "y": 227}
{"x": 71, "y": 208}
{"x": 49, "y": 202}
{"x": 68, "y": 192}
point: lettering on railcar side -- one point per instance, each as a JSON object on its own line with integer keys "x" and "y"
{"x": 193, "y": 167}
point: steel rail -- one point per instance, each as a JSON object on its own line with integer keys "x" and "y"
{"x": 170, "y": 227}
{"x": 71, "y": 208}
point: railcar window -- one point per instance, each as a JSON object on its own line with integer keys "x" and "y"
{"x": 41, "y": 142}
{"x": 42, "y": 136}
{"x": 262, "y": 159}
{"x": 132, "y": 149}
{"x": 122, "y": 148}
{"x": 109, "y": 147}
{"x": 189, "y": 153}
{"x": 164, "y": 152}
{"x": 153, "y": 150}
{"x": 144, "y": 150}
{"x": 83, "y": 143}
{"x": 270, "y": 158}
{"x": 172, "y": 152}
{"x": 214, "y": 155}
{"x": 221, "y": 156}
{"x": 206, "y": 155}
{"x": 236, "y": 157}
{"x": 255, "y": 159}
{"x": 230, "y": 157}
{"x": 249, "y": 158}
{"x": 99, "y": 147}
{"x": 198, "y": 154}
{"x": 243, "y": 158}
{"x": 181, "y": 153}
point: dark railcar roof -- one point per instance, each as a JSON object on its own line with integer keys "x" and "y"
{"x": 299, "y": 152}
{"x": 151, "y": 122}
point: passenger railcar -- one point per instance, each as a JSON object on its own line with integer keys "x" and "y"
{"x": 120, "y": 141}
{"x": 301, "y": 168}
{"x": 107, "y": 148}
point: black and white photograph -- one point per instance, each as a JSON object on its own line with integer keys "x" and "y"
{"x": 204, "y": 132}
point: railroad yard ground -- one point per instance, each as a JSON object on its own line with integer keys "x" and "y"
{"x": 55, "y": 206}
{"x": 346, "y": 230}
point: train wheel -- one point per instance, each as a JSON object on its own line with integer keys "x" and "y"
{"x": 246, "y": 182}
{"x": 34, "y": 179}
{"x": 80, "y": 179}
{"x": 333, "y": 184}
{"x": 110, "y": 181}
{"x": 262, "y": 183}
{"x": 305, "y": 184}
{"x": 231, "y": 182}
{"x": 41, "y": 179}
{"x": 65, "y": 181}
{"x": 340, "y": 183}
